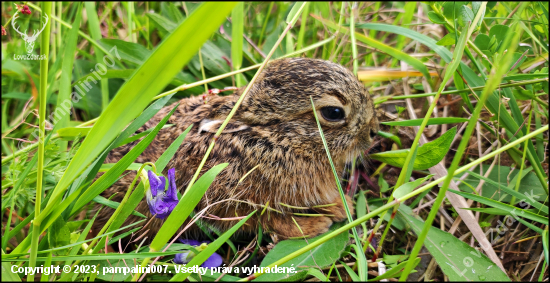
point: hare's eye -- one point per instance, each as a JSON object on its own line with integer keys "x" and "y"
{"x": 333, "y": 114}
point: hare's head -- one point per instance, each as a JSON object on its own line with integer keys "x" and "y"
{"x": 280, "y": 99}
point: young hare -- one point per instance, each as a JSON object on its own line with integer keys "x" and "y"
{"x": 275, "y": 130}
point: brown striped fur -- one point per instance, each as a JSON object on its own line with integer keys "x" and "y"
{"x": 273, "y": 129}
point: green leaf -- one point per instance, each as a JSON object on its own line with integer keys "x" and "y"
{"x": 475, "y": 6}
{"x": 237, "y": 22}
{"x": 163, "y": 24}
{"x": 520, "y": 77}
{"x": 82, "y": 237}
{"x": 324, "y": 255}
{"x": 409, "y": 187}
{"x": 211, "y": 276}
{"x": 107, "y": 166}
{"x": 69, "y": 133}
{"x": 292, "y": 18}
{"x": 448, "y": 39}
{"x": 390, "y": 136}
{"x": 317, "y": 274}
{"x": 545, "y": 11}
{"x": 457, "y": 260}
{"x": 148, "y": 80}
{"x": 545, "y": 243}
{"x": 109, "y": 74}
{"x": 59, "y": 235}
{"x": 435, "y": 18}
{"x": 431, "y": 121}
{"x": 499, "y": 32}
{"x": 496, "y": 184}
{"x": 65, "y": 88}
{"x": 128, "y": 256}
{"x": 395, "y": 271}
{"x": 466, "y": 15}
{"x": 351, "y": 273}
{"x": 482, "y": 41}
{"x": 7, "y": 274}
{"x": 428, "y": 154}
{"x": 113, "y": 204}
{"x": 451, "y": 10}
{"x": 105, "y": 270}
{"x": 128, "y": 51}
{"x": 523, "y": 94}
{"x": 530, "y": 226}
{"x": 506, "y": 207}
{"x": 361, "y": 207}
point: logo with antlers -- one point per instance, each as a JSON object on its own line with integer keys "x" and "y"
{"x": 29, "y": 40}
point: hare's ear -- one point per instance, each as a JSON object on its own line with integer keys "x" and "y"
{"x": 212, "y": 126}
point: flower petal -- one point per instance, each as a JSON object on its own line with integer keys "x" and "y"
{"x": 183, "y": 258}
{"x": 154, "y": 182}
{"x": 151, "y": 202}
{"x": 214, "y": 260}
{"x": 172, "y": 189}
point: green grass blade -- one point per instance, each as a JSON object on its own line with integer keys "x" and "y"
{"x": 494, "y": 80}
{"x": 390, "y": 136}
{"x": 64, "y": 103}
{"x": 112, "y": 175}
{"x": 164, "y": 63}
{"x": 445, "y": 54}
{"x": 113, "y": 204}
{"x": 107, "y": 256}
{"x": 545, "y": 244}
{"x": 7, "y": 274}
{"x": 415, "y": 63}
{"x": 431, "y": 121}
{"x": 237, "y": 21}
{"x": 506, "y": 207}
{"x": 95, "y": 32}
{"x": 361, "y": 256}
{"x": 409, "y": 8}
{"x": 507, "y": 190}
{"x": 352, "y": 273}
{"x": 353, "y": 8}
{"x": 44, "y": 51}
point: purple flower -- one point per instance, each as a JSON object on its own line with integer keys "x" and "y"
{"x": 161, "y": 202}
{"x": 214, "y": 260}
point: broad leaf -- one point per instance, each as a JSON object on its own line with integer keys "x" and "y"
{"x": 457, "y": 260}
{"x": 324, "y": 256}
{"x": 427, "y": 156}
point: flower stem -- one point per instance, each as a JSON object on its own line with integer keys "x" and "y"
{"x": 44, "y": 52}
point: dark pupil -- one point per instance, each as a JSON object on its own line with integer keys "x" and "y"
{"x": 333, "y": 113}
